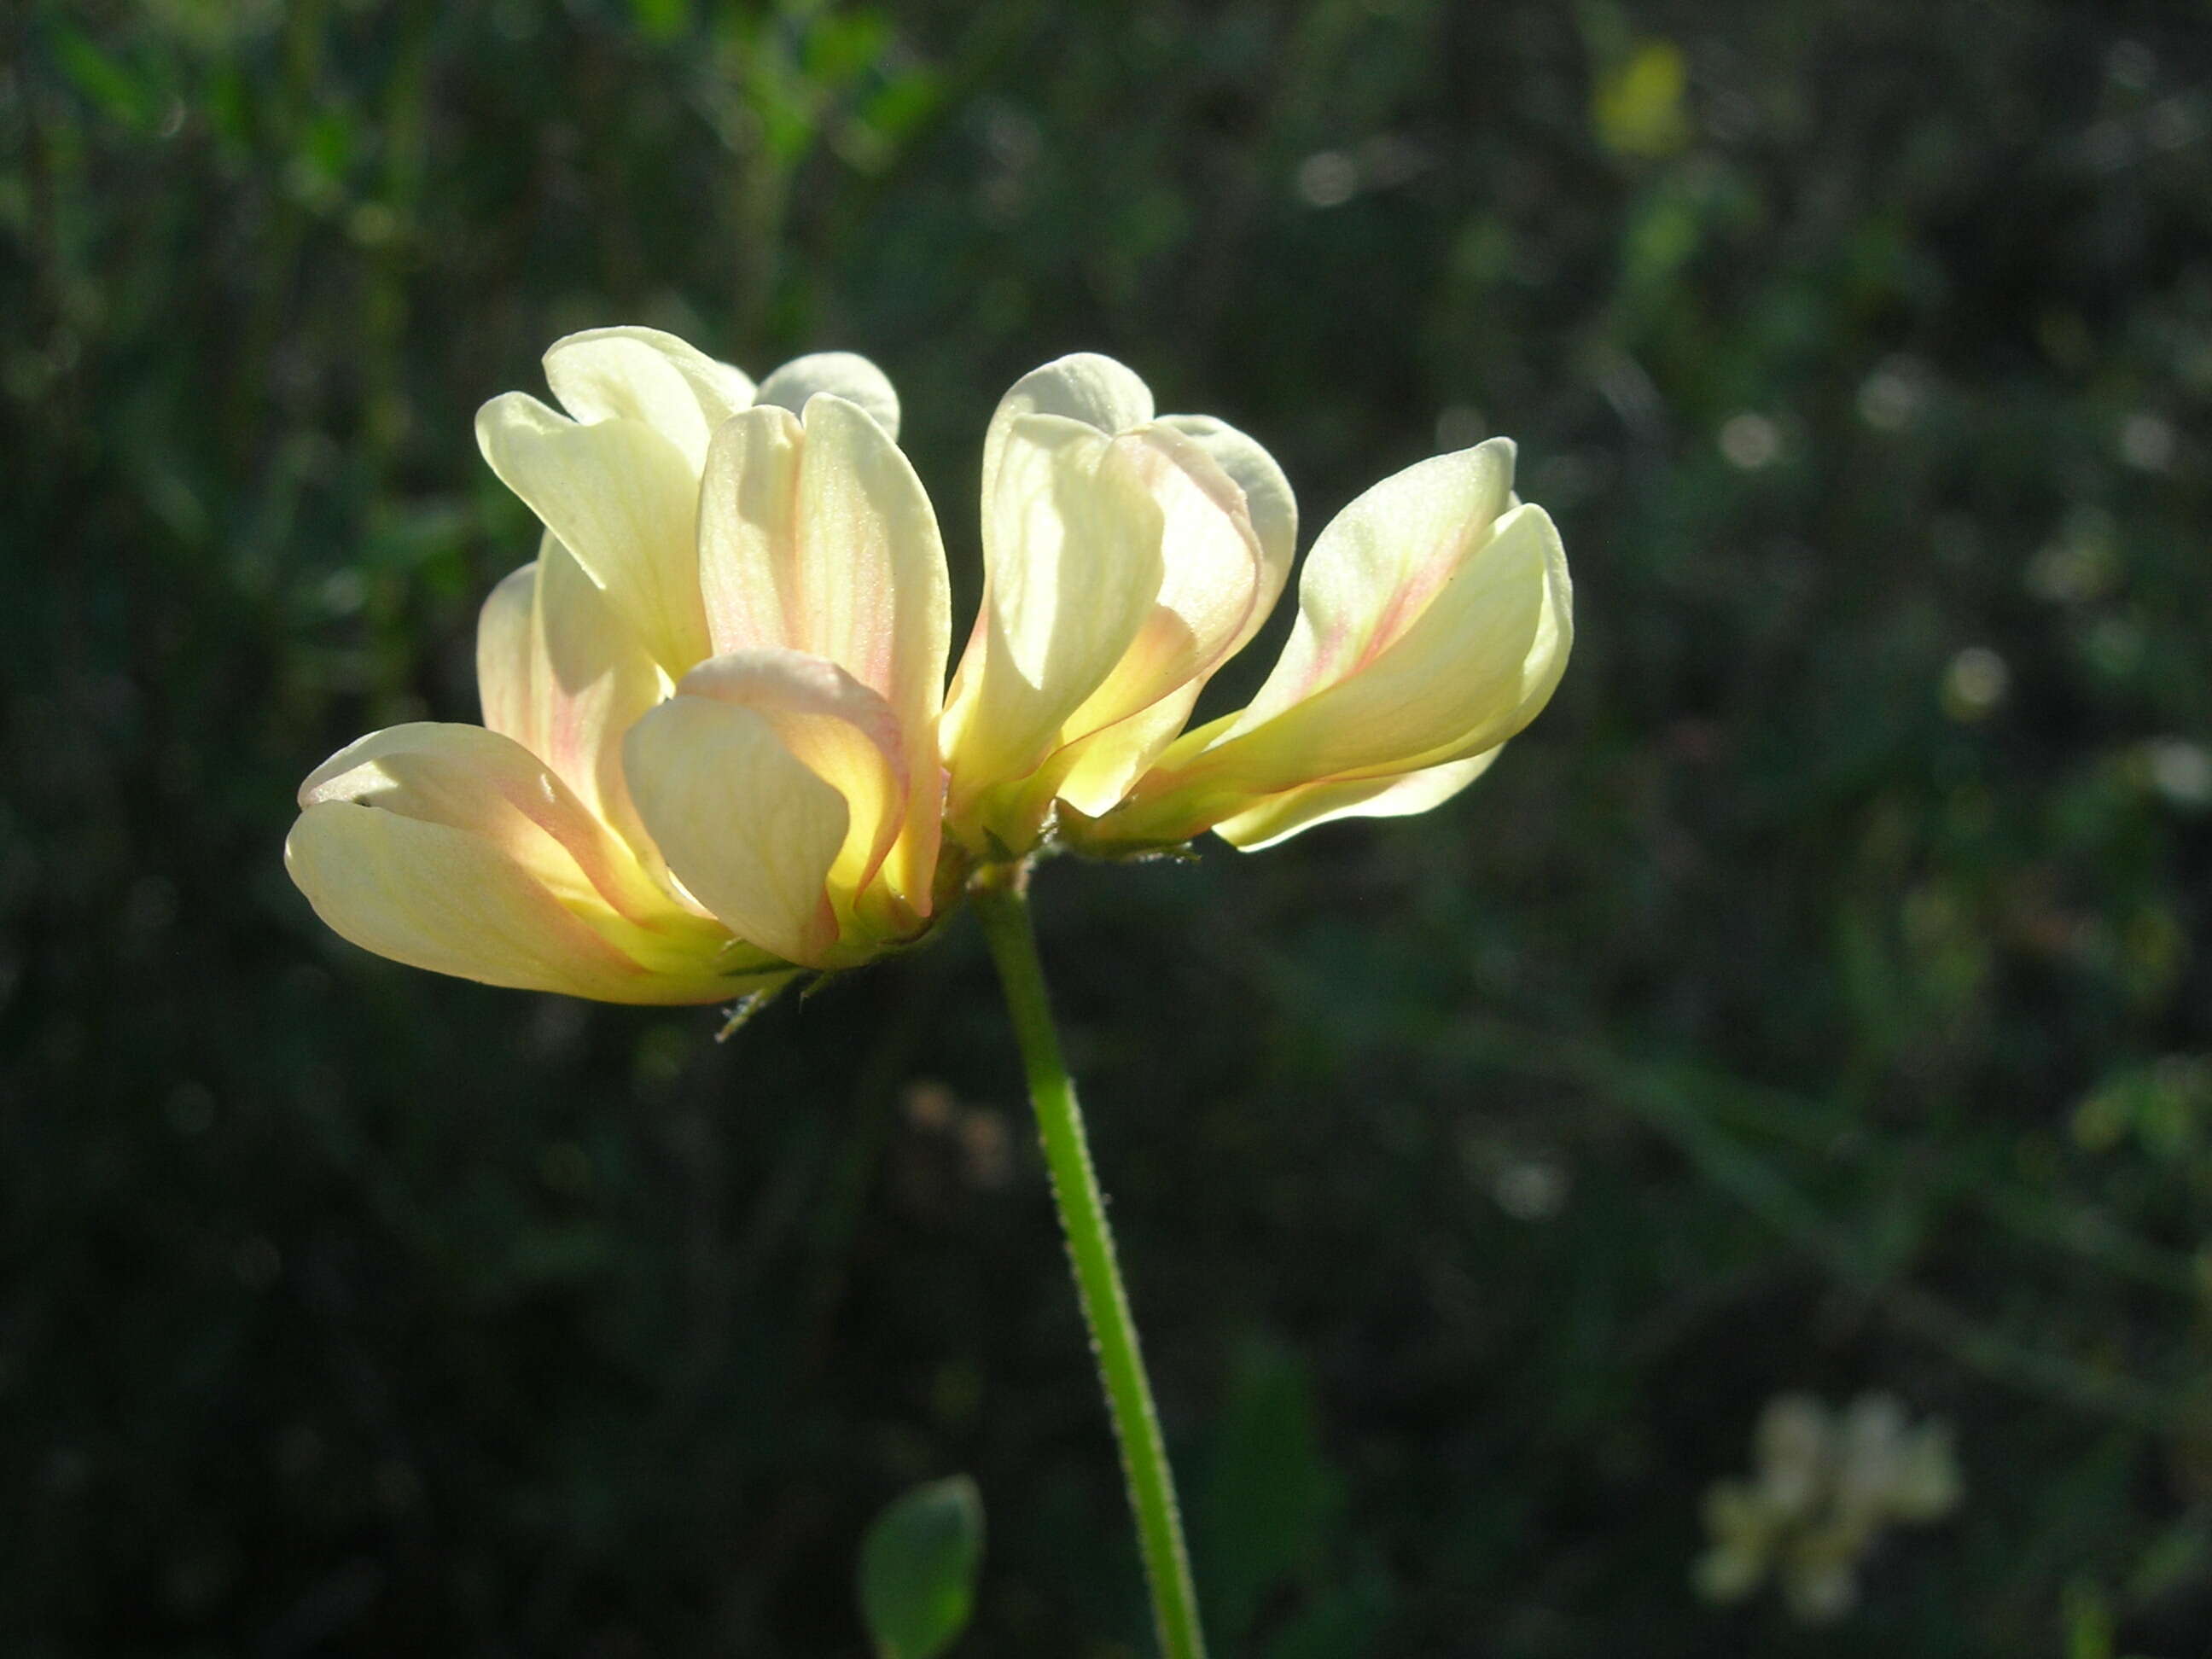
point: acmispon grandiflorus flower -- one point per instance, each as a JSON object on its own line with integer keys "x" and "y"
{"x": 717, "y": 745}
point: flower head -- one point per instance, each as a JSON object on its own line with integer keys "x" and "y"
{"x": 718, "y": 748}
{"x": 1827, "y": 1487}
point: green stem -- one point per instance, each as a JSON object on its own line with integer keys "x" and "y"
{"x": 1001, "y": 898}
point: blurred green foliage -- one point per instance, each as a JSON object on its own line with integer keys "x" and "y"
{"x": 1815, "y": 999}
{"x": 919, "y": 1560}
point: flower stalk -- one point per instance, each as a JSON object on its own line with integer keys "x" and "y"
{"x": 1001, "y": 893}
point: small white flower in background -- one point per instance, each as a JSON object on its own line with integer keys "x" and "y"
{"x": 1826, "y": 1487}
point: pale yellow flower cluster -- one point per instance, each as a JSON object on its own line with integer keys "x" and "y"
{"x": 718, "y": 745}
{"x": 1826, "y": 1487}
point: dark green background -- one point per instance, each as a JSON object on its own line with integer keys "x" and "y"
{"x": 1848, "y": 1031}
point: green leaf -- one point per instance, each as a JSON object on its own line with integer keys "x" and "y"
{"x": 918, "y": 1563}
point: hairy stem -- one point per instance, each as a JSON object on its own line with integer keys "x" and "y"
{"x": 1002, "y": 905}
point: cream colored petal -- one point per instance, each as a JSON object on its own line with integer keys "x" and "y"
{"x": 489, "y": 786}
{"x": 1084, "y": 387}
{"x": 871, "y": 577}
{"x": 622, "y": 499}
{"x": 561, "y": 674}
{"x": 742, "y": 823}
{"x": 1103, "y": 765}
{"x": 1379, "y": 565}
{"x": 509, "y": 675}
{"x": 840, "y": 730}
{"x": 1071, "y": 552}
{"x": 642, "y": 374}
{"x": 1478, "y": 664}
{"x": 818, "y": 536}
{"x": 1211, "y": 571}
{"x": 845, "y": 373}
{"x": 1280, "y": 816}
{"x": 436, "y": 896}
{"x": 1269, "y": 503}
{"x": 1215, "y": 579}
{"x": 749, "y": 531}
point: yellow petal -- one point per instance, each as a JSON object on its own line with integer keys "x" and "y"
{"x": 1269, "y": 504}
{"x": 742, "y": 823}
{"x": 840, "y": 730}
{"x": 1072, "y": 557}
{"x": 1216, "y": 577}
{"x": 1280, "y": 816}
{"x": 1227, "y": 524}
{"x": 1098, "y": 770}
{"x": 1477, "y": 665}
{"x": 622, "y": 499}
{"x": 491, "y": 787}
{"x": 844, "y": 373}
{"x": 642, "y": 374}
{"x": 560, "y": 673}
{"x": 1211, "y": 574}
{"x": 1101, "y": 393}
{"x": 818, "y": 536}
{"x": 749, "y": 531}
{"x": 438, "y": 897}
{"x": 1378, "y": 565}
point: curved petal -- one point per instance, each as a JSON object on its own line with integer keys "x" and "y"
{"x": 1072, "y": 554}
{"x": 1378, "y": 565}
{"x": 622, "y": 499}
{"x": 560, "y": 673}
{"x": 845, "y": 373}
{"x": 1476, "y": 665}
{"x": 816, "y": 535}
{"x": 1211, "y": 574}
{"x": 743, "y": 824}
{"x": 438, "y": 897}
{"x": 1269, "y": 504}
{"x": 1101, "y": 768}
{"x": 840, "y": 730}
{"x": 491, "y": 787}
{"x": 1100, "y": 393}
{"x": 1280, "y": 816}
{"x": 1215, "y": 574}
{"x": 642, "y": 374}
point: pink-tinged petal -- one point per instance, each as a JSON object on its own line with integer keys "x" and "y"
{"x": 747, "y": 827}
{"x": 1072, "y": 555}
{"x": 622, "y": 499}
{"x": 642, "y": 374}
{"x": 561, "y": 673}
{"x": 436, "y": 896}
{"x": 1215, "y": 575}
{"x": 491, "y": 787}
{"x": 1475, "y": 666}
{"x": 1478, "y": 664}
{"x": 1269, "y": 504}
{"x": 1211, "y": 576}
{"x": 816, "y": 535}
{"x": 843, "y": 374}
{"x": 749, "y": 531}
{"x": 1280, "y": 816}
{"x": 1380, "y": 564}
{"x": 840, "y": 730}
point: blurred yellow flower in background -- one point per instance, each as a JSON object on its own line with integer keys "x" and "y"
{"x": 718, "y": 748}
